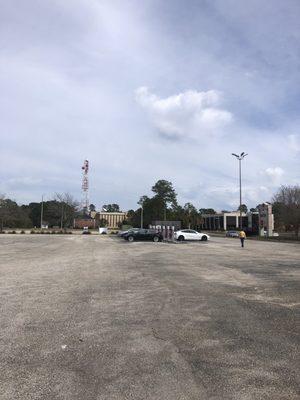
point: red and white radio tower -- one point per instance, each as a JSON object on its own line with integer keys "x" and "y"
{"x": 85, "y": 186}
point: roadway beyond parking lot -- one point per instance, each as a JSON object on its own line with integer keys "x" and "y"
{"x": 97, "y": 318}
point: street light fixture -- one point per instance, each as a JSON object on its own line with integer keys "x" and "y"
{"x": 240, "y": 158}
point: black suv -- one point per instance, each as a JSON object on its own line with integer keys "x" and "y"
{"x": 143, "y": 234}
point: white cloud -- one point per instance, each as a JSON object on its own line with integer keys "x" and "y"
{"x": 274, "y": 174}
{"x": 191, "y": 113}
{"x": 294, "y": 142}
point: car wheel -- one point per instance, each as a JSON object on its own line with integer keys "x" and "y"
{"x": 204, "y": 239}
{"x": 155, "y": 239}
{"x": 181, "y": 238}
{"x": 130, "y": 239}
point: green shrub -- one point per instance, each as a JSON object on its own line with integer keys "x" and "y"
{"x": 22, "y": 232}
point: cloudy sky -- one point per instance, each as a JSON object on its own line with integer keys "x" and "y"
{"x": 148, "y": 90}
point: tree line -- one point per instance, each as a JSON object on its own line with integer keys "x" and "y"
{"x": 162, "y": 205}
{"x": 286, "y": 208}
{"x": 59, "y": 212}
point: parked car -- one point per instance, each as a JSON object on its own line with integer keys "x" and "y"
{"x": 275, "y": 234}
{"x": 190, "y": 234}
{"x": 143, "y": 234}
{"x": 232, "y": 234}
{"x": 122, "y": 233}
{"x": 85, "y": 230}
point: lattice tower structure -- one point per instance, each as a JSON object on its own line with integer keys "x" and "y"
{"x": 85, "y": 186}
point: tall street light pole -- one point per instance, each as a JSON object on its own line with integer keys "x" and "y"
{"x": 62, "y": 215}
{"x": 141, "y": 203}
{"x": 142, "y": 215}
{"x": 240, "y": 158}
{"x": 42, "y": 211}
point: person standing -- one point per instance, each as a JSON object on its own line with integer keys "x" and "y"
{"x": 242, "y": 236}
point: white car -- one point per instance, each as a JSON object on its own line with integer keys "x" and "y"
{"x": 190, "y": 234}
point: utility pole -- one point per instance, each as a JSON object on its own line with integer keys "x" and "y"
{"x": 62, "y": 215}
{"x": 42, "y": 211}
{"x": 240, "y": 179}
{"x": 240, "y": 158}
{"x": 141, "y": 203}
{"x": 142, "y": 215}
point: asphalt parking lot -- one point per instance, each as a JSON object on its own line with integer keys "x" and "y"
{"x": 98, "y": 318}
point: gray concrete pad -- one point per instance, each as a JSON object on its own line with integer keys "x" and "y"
{"x": 97, "y": 318}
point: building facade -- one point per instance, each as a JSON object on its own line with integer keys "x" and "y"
{"x": 259, "y": 222}
{"x": 95, "y": 219}
{"x": 223, "y": 221}
{"x": 80, "y": 223}
{"x": 266, "y": 219}
{"x": 113, "y": 219}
